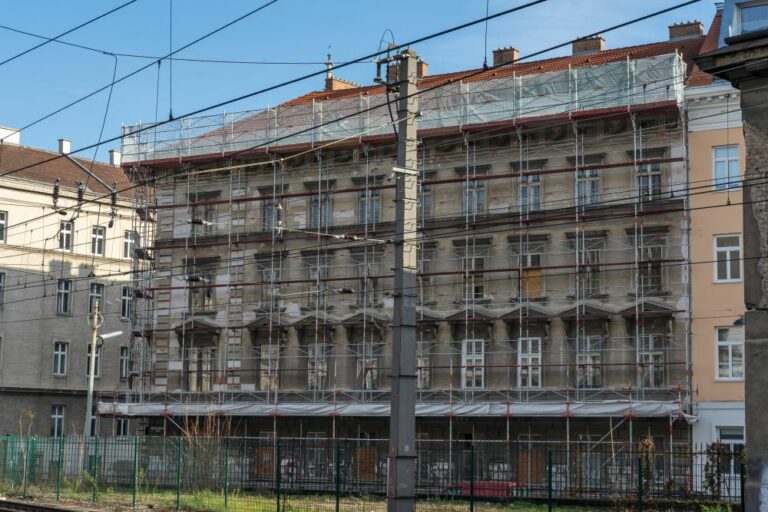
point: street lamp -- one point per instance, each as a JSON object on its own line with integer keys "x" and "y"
{"x": 95, "y": 320}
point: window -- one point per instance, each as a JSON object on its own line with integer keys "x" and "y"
{"x": 270, "y": 213}
{"x": 651, "y": 362}
{"x": 528, "y": 257}
{"x": 426, "y": 259}
{"x": 96, "y": 295}
{"x": 530, "y": 193}
{"x": 529, "y": 363}
{"x": 125, "y": 362}
{"x": 203, "y": 220}
{"x": 57, "y": 420}
{"x": 425, "y": 204}
{"x": 98, "y": 235}
{"x": 733, "y": 439}
{"x": 730, "y": 353}
{"x": 589, "y": 362}
{"x": 64, "y": 297}
{"x": 752, "y": 18}
{"x": 367, "y": 366}
{"x": 473, "y": 197}
{"x": 473, "y": 364}
{"x": 126, "y": 302}
{"x": 66, "y": 232}
{"x": 368, "y": 282}
{"x": 588, "y": 186}
{"x": 317, "y": 365}
{"x": 727, "y": 258}
{"x": 2, "y": 290}
{"x": 3, "y": 226}
{"x": 649, "y": 181}
{"x": 269, "y": 270}
{"x": 320, "y": 210}
{"x": 201, "y": 287}
{"x": 423, "y": 369}
{"x": 589, "y": 256}
{"x": 121, "y": 426}
{"x": 472, "y": 262}
{"x": 268, "y": 366}
{"x": 97, "y": 373}
{"x": 130, "y": 242}
{"x": 651, "y": 254}
{"x": 201, "y": 368}
{"x": 726, "y": 167}
{"x": 60, "y": 354}
{"x": 369, "y": 210}
{"x": 318, "y": 271}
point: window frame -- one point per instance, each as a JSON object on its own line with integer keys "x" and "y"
{"x": 3, "y": 281}
{"x": 124, "y": 362}
{"x": 66, "y": 234}
{"x": 738, "y": 8}
{"x": 717, "y": 184}
{"x": 588, "y": 184}
{"x": 98, "y": 240}
{"x": 729, "y": 344}
{"x": 524, "y": 358}
{"x": 58, "y": 417}
{"x": 320, "y": 211}
{"x": 130, "y": 242}
{"x": 92, "y": 297}
{"x": 728, "y": 251}
{"x": 64, "y": 305}
{"x": 474, "y": 194}
{"x": 369, "y": 207}
{"x": 529, "y": 183}
{"x": 126, "y": 302}
{"x": 97, "y": 372}
{"x": 60, "y": 359}
{"x": 476, "y": 357}
{"x": 3, "y": 226}
{"x": 646, "y": 177}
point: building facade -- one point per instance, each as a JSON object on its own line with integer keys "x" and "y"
{"x": 554, "y": 291}
{"x": 65, "y": 244}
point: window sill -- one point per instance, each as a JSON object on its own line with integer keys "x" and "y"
{"x": 201, "y": 313}
{"x": 727, "y": 281}
{"x": 729, "y": 379}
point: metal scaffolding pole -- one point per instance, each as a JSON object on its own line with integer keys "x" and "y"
{"x": 401, "y": 487}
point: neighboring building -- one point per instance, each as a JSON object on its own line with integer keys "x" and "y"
{"x": 553, "y": 257}
{"x": 58, "y": 255}
{"x": 741, "y": 57}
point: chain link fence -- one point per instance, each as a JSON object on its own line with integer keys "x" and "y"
{"x": 308, "y": 474}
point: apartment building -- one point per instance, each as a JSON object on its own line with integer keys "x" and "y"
{"x": 66, "y": 243}
{"x": 717, "y": 163}
{"x": 554, "y": 295}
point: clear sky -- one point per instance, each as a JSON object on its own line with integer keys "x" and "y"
{"x": 290, "y": 30}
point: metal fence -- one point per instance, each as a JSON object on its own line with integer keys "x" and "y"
{"x": 307, "y": 474}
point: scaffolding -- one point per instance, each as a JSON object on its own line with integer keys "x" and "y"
{"x": 268, "y": 291}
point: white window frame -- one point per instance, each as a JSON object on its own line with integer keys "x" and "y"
{"x": 530, "y": 193}
{"x": 589, "y": 362}
{"x": 66, "y": 235}
{"x": 530, "y": 361}
{"x": 729, "y": 181}
{"x": 473, "y": 259}
{"x": 60, "y": 358}
{"x": 98, "y": 240}
{"x": 269, "y": 366}
{"x": 588, "y": 186}
{"x": 125, "y": 362}
{"x": 473, "y": 364}
{"x": 64, "y": 297}
{"x": 368, "y": 366}
{"x": 653, "y": 356}
{"x": 96, "y": 291}
{"x": 729, "y": 345}
{"x": 317, "y": 275}
{"x": 369, "y": 207}
{"x": 320, "y": 211}
{"x": 3, "y": 226}
{"x": 58, "y": 414}
{"x": 474, "y": 194}
{"x": 97, "y": 373}
{"x": 122, "y": 426}
{"x": 317, "y": 366}
{"x": 130, "y": 242}
{"x": 126, "y": 302}
{"x": 728, "y": 251}
{"x": 733, "y": 445}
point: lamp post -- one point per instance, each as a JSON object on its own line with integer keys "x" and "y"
{"x": 95, "y": 320}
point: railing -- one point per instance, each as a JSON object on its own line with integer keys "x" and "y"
{"x": 202, "y": 473}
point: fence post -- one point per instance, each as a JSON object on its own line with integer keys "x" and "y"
{"x": 25, "y": 469}
{"x": 549, "y": 481}
{"x": 337, "y": 475}
{"x": 640, "y": 484}
{"x": 472, "y": 477}
{"x": 58, "y": 468}
{"x": 179, "y": 462}
{"x": 743, "y": 481}
{"x": 95, "y": 469}
{"x": 226, "y": 473}
{"x": 134, "y": 482}
{"x": 277, "y": 472}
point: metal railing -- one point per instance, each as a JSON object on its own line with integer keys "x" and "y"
{"x": 254, "y": 474}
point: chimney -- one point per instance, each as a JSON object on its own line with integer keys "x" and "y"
{"x": 506, "y": 55}
{"x": 64, "y": 146}
{"x": 588, "y": 45}
{"x": 115, "y": 158}
{"x": 421, "y": 68}
{"x": 10, "y": 135}
{"x": 686, "y": 30}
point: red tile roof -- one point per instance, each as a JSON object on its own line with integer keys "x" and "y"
{"x": 68, "y": 169}
{"x": 689, "y": 48}
{"x": 699, "y": 77}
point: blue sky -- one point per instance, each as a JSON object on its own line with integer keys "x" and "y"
{"x": 290, "y": 30}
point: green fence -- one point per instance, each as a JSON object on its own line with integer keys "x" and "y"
{"x": 292, "y": 474}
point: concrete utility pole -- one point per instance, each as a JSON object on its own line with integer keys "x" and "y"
{"x": 401, "y": 478}
{"x": 95, "y": 319}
